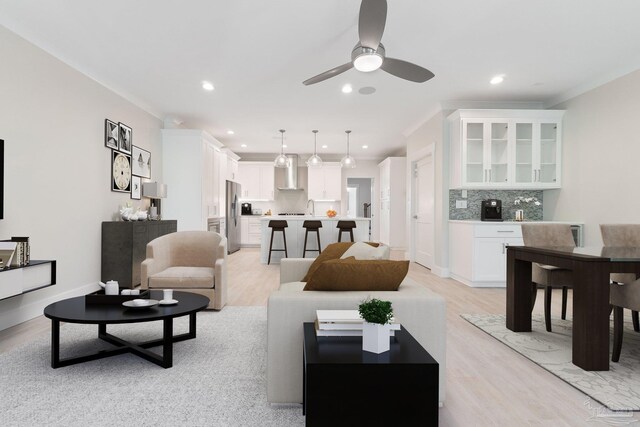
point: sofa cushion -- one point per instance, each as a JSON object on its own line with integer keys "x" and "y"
{"x": 332, "y": 251}
{"x": 363, "y": 251}
{"x": 358, "y": 275}
{"x": 183, "y": 277}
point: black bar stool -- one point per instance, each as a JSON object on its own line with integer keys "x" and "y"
{"x": 311, "y": 226}
{"x": 278, "y": 225}
{"x": 346, "y": 227}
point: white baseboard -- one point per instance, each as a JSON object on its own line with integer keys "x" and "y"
{"x": 478, "y": 284}
{"x": 22, "y": 313}
{"x": 440, "y": 271}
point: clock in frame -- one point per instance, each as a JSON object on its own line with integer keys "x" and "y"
{"x": 120, "y": 172}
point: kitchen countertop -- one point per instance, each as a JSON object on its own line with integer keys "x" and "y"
{"x": 511, "y": 222}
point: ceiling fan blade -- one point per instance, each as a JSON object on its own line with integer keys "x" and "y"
{"x": 328, "y": 74}
{"x": 406, "y": 70}
{"x": 373, "y": 16}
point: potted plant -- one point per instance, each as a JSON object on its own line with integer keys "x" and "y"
{"x": 377, "y": 315}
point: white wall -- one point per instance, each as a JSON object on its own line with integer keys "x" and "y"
{"x": 433, "y": 132}
{"x": 57, "y": 169}
{"x": 601, "y": 158}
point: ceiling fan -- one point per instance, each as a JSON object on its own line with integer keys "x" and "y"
{"x": 369, "y": 53}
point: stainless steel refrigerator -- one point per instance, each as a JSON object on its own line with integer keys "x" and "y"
{"x": 233, "y": 216}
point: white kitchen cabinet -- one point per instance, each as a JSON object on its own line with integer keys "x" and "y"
{"x": 257, "y": 180}
{"x": 325, "y": 183}
{"x": 251, "y": 231}
{"x": 191, "y": 170}
{"x": 478, "y": 252}
{"x": 508, "y": 149}
{"x": 231, "y": 166}
{"x": 392, "y": 202}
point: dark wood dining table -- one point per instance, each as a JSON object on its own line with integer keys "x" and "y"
{"x": 591, "y": 267}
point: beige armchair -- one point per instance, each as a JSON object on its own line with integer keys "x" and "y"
{"x": 549, "y": 276}
{"x": 192, "y": 261}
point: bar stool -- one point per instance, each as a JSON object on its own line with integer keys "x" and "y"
{"x": 311, "y": 226}
{"x": 278, "y": 225}
{"x": 346, "y": 227}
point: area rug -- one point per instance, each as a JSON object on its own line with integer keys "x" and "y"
{"x": 218, "y": 379}
{"x": 618, "y": 389}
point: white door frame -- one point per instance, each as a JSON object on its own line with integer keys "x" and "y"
{"x": 411, "y": 208}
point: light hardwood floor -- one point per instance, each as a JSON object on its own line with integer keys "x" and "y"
{"x": 488, "y": 384}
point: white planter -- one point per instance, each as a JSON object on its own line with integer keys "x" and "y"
{"x": 375, "y": 337}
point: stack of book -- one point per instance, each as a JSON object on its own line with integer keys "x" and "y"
{"x": 15, "y": 252}
{"x": 342, "y": 323}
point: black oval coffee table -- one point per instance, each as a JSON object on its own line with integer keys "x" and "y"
{"x": 75, "y": 310}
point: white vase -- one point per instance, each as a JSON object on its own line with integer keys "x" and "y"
{"x": 375, "y": 337}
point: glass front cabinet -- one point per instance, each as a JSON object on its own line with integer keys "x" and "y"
{"x": 509, "y": 149}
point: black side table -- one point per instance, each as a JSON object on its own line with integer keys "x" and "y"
{"x": 344, "y": 385}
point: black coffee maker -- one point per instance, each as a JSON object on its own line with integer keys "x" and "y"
{"x": 491, "y": 210}
{"x": 246, "y": 209}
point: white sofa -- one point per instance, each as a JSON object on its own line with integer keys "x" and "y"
{"x": 419, "y": 310}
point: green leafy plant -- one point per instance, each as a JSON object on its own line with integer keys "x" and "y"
{"x": 376, "y": 311}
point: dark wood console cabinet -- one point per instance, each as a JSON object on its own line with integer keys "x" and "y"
{"x": 124, "y": 247}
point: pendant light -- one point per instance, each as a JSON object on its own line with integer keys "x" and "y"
{"x": 348, "y": 161}
{"x": 315, "y": 161}
{"x": 281, "y": 161}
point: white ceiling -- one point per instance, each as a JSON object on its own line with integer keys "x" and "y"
{"x": 257, "y": 53}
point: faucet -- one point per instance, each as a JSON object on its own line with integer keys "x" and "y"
{"x": 313, "y": 207}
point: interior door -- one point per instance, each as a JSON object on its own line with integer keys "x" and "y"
{"x": 424, "y": 211}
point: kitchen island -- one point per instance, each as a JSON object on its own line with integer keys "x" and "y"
{"x": 295, "y": 235}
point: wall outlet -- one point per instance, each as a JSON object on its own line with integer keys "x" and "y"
{"x": 464, "y": 194}
{"x": 461, "y": 204}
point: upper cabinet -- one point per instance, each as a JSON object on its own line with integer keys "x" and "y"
{"x": 509, "y": 149}
{"x": 231, "y": 166}
{"x": 325, "y": 183}
{"x": 257, "y": 180}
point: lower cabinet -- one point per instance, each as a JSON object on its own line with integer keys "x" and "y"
{"x": 250, "y": 231}
{"x": 478, "y": 252}
{"x": 124, "y": 247}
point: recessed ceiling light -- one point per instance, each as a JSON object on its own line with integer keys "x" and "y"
{"x": 325, "y": 146}
{"x": 347, "y": 88}
{"x": 207, "y": 86}
{"x": 284, "y": 145}
{"x": 230, "y": 132}
{"x": 365, "y": 146}
{"x": 367, "y": 90}
{"x": 497, "y": 79}
{"x": 243, "y": 145}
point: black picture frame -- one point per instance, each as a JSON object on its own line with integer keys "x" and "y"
{"x": 136, "y": 187}
{"x": 140, "y": 162}
{"x": 114, "y": 186}
{"x": 125, "y": 138}
{"x": 111, "y": 134}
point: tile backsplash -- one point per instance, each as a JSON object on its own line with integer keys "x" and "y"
{"x": 474, "y": 197}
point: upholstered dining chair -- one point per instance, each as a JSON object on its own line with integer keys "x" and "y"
{"x": 625, "y": 289}
{"x": 548, "y": 276}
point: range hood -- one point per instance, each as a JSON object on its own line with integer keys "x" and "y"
{"x": 290, "y": 174}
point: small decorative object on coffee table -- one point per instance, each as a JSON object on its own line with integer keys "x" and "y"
{"x": 377, "y": 317}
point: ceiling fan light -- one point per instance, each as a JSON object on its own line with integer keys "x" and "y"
{"x": 367, "y": 62}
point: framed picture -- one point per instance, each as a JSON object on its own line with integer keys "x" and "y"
{"x": 125, "y": 138}
{"x": 111, "y": 134}
{"x": 136, "y": 187}
{"x": 120, "y": 172}
{"x": 141, "y": 162}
